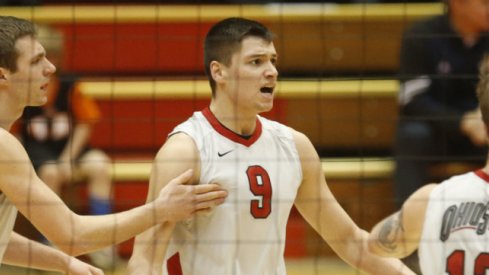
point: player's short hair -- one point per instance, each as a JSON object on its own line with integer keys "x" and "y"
{"x": 483, "y": 89}
{"x": 11, "y": 29}
{"x": 224, "y": 39}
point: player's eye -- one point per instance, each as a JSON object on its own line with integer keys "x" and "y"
{"x": 274, "y": 61}
{"x": 256, "y": 62}
{"x": 36, "y": 60}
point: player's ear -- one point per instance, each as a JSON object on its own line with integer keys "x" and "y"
{"x": 3, "y": 76}
{"x": 218, "y": 71}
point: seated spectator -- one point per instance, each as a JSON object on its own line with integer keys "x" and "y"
{"x": 440, "y": 118}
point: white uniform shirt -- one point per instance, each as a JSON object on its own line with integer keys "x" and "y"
{"x": 8, "y": 213}
{"x": 262, "y": 173}
{"x": 455, "y": 233}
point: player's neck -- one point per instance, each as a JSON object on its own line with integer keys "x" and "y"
{"x": 237, "y": 121}
{"x": 8, "y": 113}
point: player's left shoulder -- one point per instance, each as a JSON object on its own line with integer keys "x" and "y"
{"x": 300, "y": 138}
{"x": 417, "y": 202}
{"x": 304, "y": 146}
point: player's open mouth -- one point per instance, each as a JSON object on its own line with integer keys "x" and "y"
{"x": 267, "y": 90}
{"x": 44, "y": 87}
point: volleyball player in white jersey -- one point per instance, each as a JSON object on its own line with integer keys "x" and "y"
{"x": 24, "y": 78}
{"x": 448, "y": 222}
{"x": 266, "y": 168}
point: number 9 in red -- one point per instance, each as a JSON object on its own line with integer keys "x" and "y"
{"x": 261, "y": 186}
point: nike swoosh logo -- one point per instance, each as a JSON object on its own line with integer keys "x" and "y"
{"x": 225, "y": 153}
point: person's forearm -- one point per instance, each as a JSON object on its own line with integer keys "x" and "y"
{"x": 150, "y": 249}
{"x": 363, "y": 259}
{"x": 27, "y": 253}
{"x": 90, "y": 233}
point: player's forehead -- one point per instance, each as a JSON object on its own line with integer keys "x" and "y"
{"x": 28, "y": 48}
{"x": 256, "y": 46}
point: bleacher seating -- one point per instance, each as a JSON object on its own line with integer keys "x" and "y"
{"x": 352, "y": 115}
{"x": 355, "y": 115}
{"x": 315, "y": 40}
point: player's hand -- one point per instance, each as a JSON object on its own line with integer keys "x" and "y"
{"x": 473, "y": 127}
{"x": 178, "y": 201}
{"x": 77, "y": 267}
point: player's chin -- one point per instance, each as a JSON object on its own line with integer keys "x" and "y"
{"x": 265, "y": 106}
{"x": 39, "y": 101}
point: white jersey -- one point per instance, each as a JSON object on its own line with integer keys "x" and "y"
{"x": 262, "y": 173}
{"x": 455, "y": 237}
{"x": 8, "y": 213}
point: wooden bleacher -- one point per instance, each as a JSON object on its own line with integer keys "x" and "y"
{"x": 312, "y": 39}
{"x": 341, "y": 114}
{"x": 316, "y": 41}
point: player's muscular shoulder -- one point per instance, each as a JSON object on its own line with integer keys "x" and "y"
{"x": 14, "y": 162}
{"x": 304, "y": 146}
{"x": 10, "y": 148}
{"x": 178, "y": 145}
{"x": 178, "y": 154}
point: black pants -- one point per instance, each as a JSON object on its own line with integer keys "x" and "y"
{"x": 418, "y": 145}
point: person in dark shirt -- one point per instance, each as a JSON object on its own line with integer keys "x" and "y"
{"x": 439, "y": 113}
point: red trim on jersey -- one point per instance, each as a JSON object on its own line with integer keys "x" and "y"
{"x": 230, "y": 134}
{"x": 482, "y": 175}
{"x": 173, "y": 265}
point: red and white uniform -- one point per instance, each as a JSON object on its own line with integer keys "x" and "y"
{"x": 262, "y": 173}
{"x": 455, "y": 237}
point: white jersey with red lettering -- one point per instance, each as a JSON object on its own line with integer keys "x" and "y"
{"x": 262, "y": 173}
{"x": 455, "y": 237}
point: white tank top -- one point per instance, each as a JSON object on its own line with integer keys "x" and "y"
{"x": 245, "y": 235}
{"x": 8, "y": 213}
{"x": 455, "y": 236}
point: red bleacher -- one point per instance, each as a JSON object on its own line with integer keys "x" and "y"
{"x": 320, "y": 40}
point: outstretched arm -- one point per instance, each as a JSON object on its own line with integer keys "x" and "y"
{"x": 319, "y": 207}
{"x": 75, "y": 234}
{"x": 26, "y": 253}
{"x": 398, "y": 235}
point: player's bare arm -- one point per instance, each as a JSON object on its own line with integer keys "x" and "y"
{"x": 177, "y": 154}
{"x": 27, "y": 253}
{"x": 390, "y": 236}
{"x": 321, "y": 210}
{"x": 75, "y": 234}
{"x": 398, "y": 235}
{"x": 389, "y": 231}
